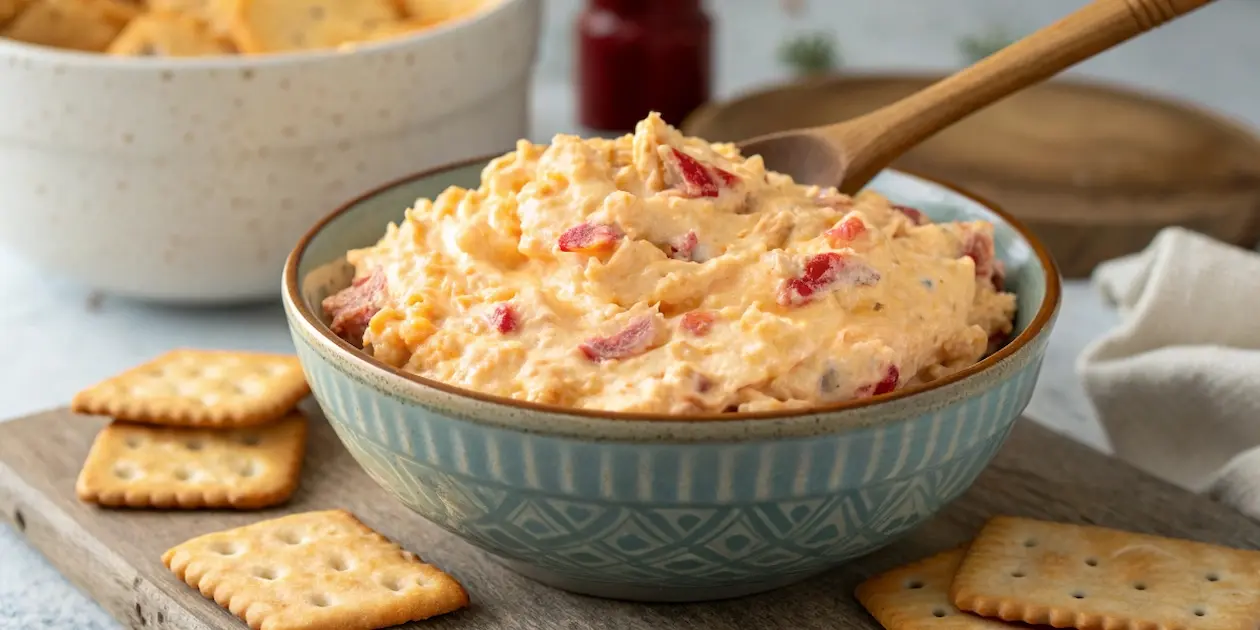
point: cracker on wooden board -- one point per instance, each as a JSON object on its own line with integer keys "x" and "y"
{"x": 200, "y": 388}
{"x": 168, "y": 34}
{"x": 314, "y": 571}
{"x": 1092, "y": 578}
{"x": 135, "y": 465}
{"x": 916, "y": 597}
{"x": 264, "y": 26}
{"x": 86, "y": 25}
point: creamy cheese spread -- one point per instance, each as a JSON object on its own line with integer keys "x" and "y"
{"x": 660, "y": 273}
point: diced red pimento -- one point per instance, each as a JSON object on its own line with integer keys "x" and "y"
{"x": 824, "y": 271}
{"x": 890, "y": 381}
{"x": 916, "y": 216}
{"x": 979, "y": 247}
{"x": 694, "y": 178}
{"x": 504, "y": 318}
{"x": 683, "y": 247}
{"x": 589, "y": 238}
{"x": 845, "y": 232}
{"x": 887, "y": 384}
{"x": 352, "y": 308}
{"x": 728, "y": 179}
{"x": 630, "y": 341}
{"x": 698, "y": 323}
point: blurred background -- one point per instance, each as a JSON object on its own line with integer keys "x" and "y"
{"x": 1209, "y": 56}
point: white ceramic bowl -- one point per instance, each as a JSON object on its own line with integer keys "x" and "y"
{"x": 189, "y": 180}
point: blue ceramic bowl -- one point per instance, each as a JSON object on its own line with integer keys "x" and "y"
{"x": 662, "y": 508}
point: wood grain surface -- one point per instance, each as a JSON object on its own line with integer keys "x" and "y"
{"x": 114, "y": 554}
{"x": 1095, "y": 170}
{"x": 864, "y": 146}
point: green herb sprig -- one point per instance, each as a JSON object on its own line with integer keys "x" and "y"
{"x": 810, "y": 54}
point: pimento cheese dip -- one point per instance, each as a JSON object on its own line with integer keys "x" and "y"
{"x": 661, "y": 273}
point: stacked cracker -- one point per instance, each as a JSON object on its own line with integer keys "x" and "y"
{"x": 192, "y": 28}
{"x": 1070, "y": 576}
{"x": 215, "y": 429}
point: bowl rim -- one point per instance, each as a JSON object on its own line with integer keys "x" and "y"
{"x": 102, "y": 61}
{"x": 291, "y": 292}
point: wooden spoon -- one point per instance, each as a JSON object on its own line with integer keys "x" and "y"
{"x": 849, "y": 154}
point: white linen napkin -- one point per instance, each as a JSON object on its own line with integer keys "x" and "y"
{"x": 1177, "y": 383}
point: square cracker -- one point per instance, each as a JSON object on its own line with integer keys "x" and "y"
{"x": 218, "y": 14}
{"x": 86, "y": 25}
{"x": 200, "y": 388}
{"x": 10, "y": 9}
{"x": 916, "y": 597}
{"x": 270, "y": 26}
{"x": 1096, "y": 578}
{"x": 168, "y": 34}
{"x": 438, "y": 11}
{"x": 135, "y": 465}
{"x": 314, "y": 571}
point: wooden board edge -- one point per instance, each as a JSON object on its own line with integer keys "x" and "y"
{"x": 83, "y": 561}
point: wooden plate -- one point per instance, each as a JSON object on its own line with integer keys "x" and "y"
{"x": 1095, "y": 170}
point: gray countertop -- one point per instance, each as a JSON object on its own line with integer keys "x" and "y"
{"x": 70, "y": 339}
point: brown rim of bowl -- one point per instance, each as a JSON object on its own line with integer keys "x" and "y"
{"x": 1049, "y": 304}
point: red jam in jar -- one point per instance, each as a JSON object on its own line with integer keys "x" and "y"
{"x": 638, "y": 56}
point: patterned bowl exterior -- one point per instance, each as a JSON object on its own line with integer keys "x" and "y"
{"x": 667, "y": 511}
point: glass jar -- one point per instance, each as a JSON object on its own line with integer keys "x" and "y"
{"x": 638, "y": 56}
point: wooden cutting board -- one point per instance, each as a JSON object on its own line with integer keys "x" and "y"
{"x": 1096, "y": 170}
{"x": 113, "y": 555}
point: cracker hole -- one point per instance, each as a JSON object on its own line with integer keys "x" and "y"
{"x": 319, "y": 600}
{"x": 1199, "y": 612}
{"x": 1030, "y": 543}
{"x": 266, "y": 573}
{"x": 133, "y": 441}
{"x": 194, "y": 445}
{"x": 124, "y": 472}
{"x": 290, "y": 537}
{"x": 250, "y": 439}
{"x": 225, "y": 548}
{"x": 1093, "y": 562}
{"x": 248, "y": 470}
{"x": 1212, "y": 577}
{"x": 1017, "y": 574}
{"x": 338, "y": 563}
{"x": 1078, "y": 595}
{"x": 939, "y": 612}
{"x": 183, "y": 474}
{"x": 392, "y": 583}
{"x": 914, "y": 584}
{"x": 1139, "y": 586}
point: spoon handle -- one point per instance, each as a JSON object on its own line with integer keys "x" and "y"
{"x": 883, "y": 135}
